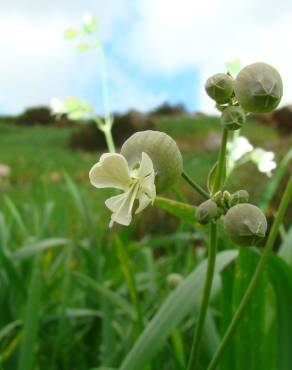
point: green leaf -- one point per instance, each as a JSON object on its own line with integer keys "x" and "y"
{"x": 28, "y": 251}
{"x": 212, "y": 177}
{"x": 71, "y": 33}
{"x": 281, "y": 276}
{"x": 286, "y": 248}
{"x": 31, "y": 320}
{"x": 112, "y": 296}
{"x": 183, "y": 211}
{"x": 181, "y": 302}
{"x": 91, "y": 26}
{"x": 83, "y": 46}
{"x": 233, "y": 66}
{"x": 252, "y": 330}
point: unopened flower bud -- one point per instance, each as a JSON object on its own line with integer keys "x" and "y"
{"x": 240, "y": 196}
{"x": 173, "y": 280}
{"x": 207, "y": 211}
{"x": 245, "y": 224}
{"x": 163, "y": 151}
{"x": 219, "y": 87}
{"x": 258, "y": 88}
{"x": 233, "y": 118}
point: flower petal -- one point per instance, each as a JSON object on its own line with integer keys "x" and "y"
{"x": 121, "y": 206}
{"x": 146, "y": 166}
{"x": 144, "y": 202}
{"x": 111, "y": 171}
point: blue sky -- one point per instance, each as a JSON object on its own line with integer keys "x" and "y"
{"x": 157, "y": 50}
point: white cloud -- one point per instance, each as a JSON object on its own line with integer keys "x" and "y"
{"x": 161, "y": 37}
{"x": 171, "y": 35}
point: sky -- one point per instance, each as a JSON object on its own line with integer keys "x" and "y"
{"x": 156, "y": 50}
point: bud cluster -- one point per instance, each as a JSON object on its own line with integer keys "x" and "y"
{"x": 244, "y": 223}
{"x": 257, "y": 88}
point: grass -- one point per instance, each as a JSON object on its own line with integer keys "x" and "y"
{"x": 76, "y": 296}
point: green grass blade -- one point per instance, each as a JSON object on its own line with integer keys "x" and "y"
{"x": 113, "y": 297}
{"x": 177, "y": 306}
{"x": 16, "y": 216}
{"x": 281, "y": 277}
{"x": 252, "y": 331}
{"x": 28, "y": 251}
{"x": 31, "y": 320}
{"x": 286, "y": 248}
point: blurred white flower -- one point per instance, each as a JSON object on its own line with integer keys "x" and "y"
{"x": 5, "y": 171}
{"x": 87, "y": 18}
{"x": 112, "y": 171}
{"x": 56, "y": 105}
{"x": 238, "y": 148}
{"x": 264, "y": 160}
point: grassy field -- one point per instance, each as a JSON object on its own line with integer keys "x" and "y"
{"x": 75, "y": 295}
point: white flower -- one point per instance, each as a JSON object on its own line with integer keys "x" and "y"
{"x": 87, "y": 18}
{"x": 56, "y": 105}
{"x": 264, "y": 160}
{"x": 112, "y": 171}
{"x": 239, "y": 147}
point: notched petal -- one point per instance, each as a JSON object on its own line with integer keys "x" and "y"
{"x": 110, "y": 172}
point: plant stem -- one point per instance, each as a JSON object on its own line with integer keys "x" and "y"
{"x": 256, "y": 277}
{"x": 195, "y": 186}
{"x": 109, "y": 139}
{"x": 221, "y": 160}
{"x": 211, "y": 263}
{"x": 104, "y": 82}
{"x": 206, "y": 295}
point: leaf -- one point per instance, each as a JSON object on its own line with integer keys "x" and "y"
{"x": 233, "y": 66}
{"x": 71, "y": 33}
{"x": 112, "y": 296}
{"x": 252, "y": 330}
{"x": 38, "y": 247}
{"x": 83, "y": 46}
{"x": 281, "y": 276}
{"x": 183, "y": 211}
{"x": 177, "y": 306}
{"x": 90, "y": 26}
{"x": 286, "y": 248}
{"x": 213, "y": 175}
{"x": 16, "y": 215}
{"x": 31, "y": 320}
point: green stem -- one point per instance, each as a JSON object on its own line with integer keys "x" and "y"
{"x": 206, "y": 295}
{"x": 211, "y": 263}
{"x": 221, "y": 160}
{"x": 195, "y": 186}
{"x": 256, "y": 277}
{"x": 109, "y": 139}
{"x": 105, "y": 92}
{"x": 126, "y": 266}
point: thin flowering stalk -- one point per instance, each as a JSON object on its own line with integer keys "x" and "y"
{"x": 211, "y": 263}
{"x": 195, "y": 185}
{"x": 256, "y": 277}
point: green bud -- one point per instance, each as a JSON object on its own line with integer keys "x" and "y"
{"x": 233, "y": 118}
{"x": 163, "y": 151}
{"x": 258, "y": 88}
{"x": 207, "y": 211}
{"x": 245, "y": 224}
{"x": 240, "y": 196}
{"x": 173, "y": 280}
{"x": 219, "y": 87}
